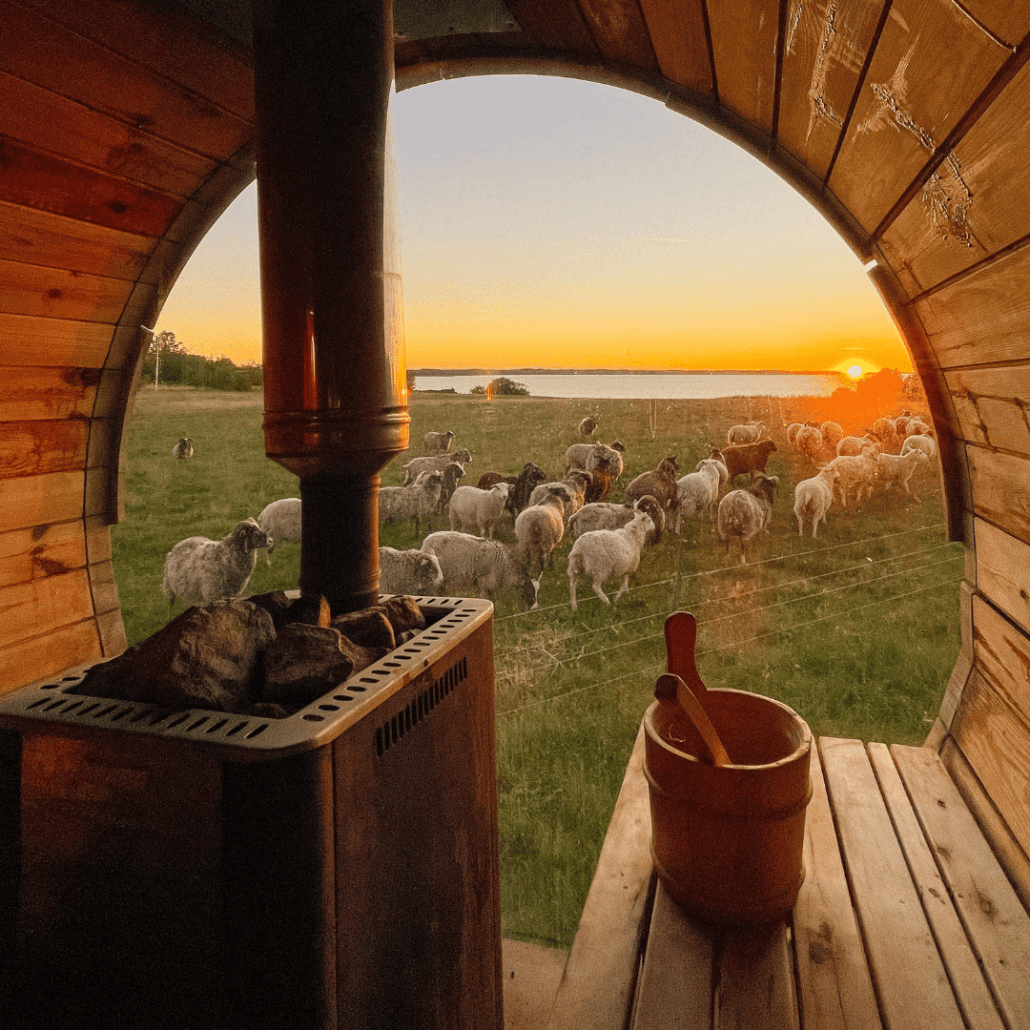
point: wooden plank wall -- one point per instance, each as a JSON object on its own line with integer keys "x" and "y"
{"x": 112, "y": 172}
{"x": 961, "y": 248}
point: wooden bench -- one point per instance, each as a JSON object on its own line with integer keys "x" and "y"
{"x": 906, "y": 920}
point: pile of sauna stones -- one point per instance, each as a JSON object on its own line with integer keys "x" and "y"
{"x": 266, "y": 656}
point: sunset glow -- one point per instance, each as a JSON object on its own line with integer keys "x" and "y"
{"x": 555, "y": 223}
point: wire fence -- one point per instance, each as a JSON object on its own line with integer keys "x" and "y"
{"x": 908, "y": 568}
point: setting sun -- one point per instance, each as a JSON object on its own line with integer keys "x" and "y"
{"x": 855, "y": 371}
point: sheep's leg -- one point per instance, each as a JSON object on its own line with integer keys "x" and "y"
{"x": 622, "y": 589}
{"x": 572, "y": 588}
{"x": 600, "y": 593}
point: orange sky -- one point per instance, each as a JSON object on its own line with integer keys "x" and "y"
{"x": 550, "y": 222}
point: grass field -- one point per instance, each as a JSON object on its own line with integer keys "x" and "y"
{"x": 857, "y": 630}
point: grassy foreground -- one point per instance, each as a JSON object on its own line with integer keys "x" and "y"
{"x": 857, "y": 630}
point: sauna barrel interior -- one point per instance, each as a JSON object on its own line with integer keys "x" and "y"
{"x": 128, "y": 126}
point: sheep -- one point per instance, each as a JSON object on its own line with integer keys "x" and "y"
{"x": 539, "y": 529}
{"x": 452, "y": 472}
{"x": 607, "y": 515}
{"x": 280, "y": 521}
{"x": 750, "y": 433}
{"x": 592, "y": 456}
{"x": 201, "y": 570}
{"x": 575, "y": 484}
{"x": 183, "y": 449}
{"x": 522, "y": 485}
{"x": 745, "y": 513}
{"x": 472, "y": 563}
{"x": 720, "y": 459}
{"x": 438, "y": 443}
{"x": 898, "y": 468}
{"x": 810, "y": 443}
{"x": 852, "y": 446}
{"x": 600, "y": 485}
{"x": 792, "y": 433}
{"x": 660, "y": 483}
{"x": 698, "y": 491}
{"x": 814, "y": 497}
{"x": 434, "y": 463}
{"x": 603, "y": 553}
{"x": 480, "y": 510}
{"x": 857, "y": 474}
{"x": 920, "y": 442}
{"x": 747, "y": 457}
{"x": 589, "y": 425}
{"x": 409, "y": 572}
{"x": 884, "y": 428}
{"x": 916, "y": 427}
{"x": 416, "y": 500}
{"x": 832, "y": 434}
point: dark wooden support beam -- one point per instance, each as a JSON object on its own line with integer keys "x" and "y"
{"x": 335, "y": 410}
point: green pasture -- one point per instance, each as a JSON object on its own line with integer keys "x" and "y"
{"x": 857, "y": 630}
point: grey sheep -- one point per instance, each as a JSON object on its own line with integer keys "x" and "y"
{"x": 745, "y": 513}
{"x": 434, "y": 463}
{"x": 281, "y": 521}
{"x": 472, "y": 563}
{"x": 183, "y": 449}
{"x": 201, "y": 570}
{"x": 415, "y": 501}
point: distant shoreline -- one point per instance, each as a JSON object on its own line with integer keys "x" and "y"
{"x": 448, "y": 372}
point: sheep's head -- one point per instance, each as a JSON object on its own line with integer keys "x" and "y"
{"x": 428, "y": 572}
{"x": 251, "y": 535}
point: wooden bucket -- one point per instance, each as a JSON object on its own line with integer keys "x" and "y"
{"x": 727, "y": 840}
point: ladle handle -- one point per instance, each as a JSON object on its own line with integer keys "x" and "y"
{"x": 680, "y": 640}
{"x": 670, "y": 688}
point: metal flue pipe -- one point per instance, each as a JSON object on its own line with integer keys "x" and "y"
{"x": 335, "y": 396}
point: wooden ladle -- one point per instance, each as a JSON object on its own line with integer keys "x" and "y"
{"x": 672, "y": 692}
{"x": 680, "y": 640}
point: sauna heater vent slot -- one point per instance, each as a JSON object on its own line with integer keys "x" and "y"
{"x": 389, "y": 733}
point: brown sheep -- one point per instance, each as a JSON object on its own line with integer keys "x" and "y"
{"x": 747, "y": 457}
{"x": 660, "y": 483}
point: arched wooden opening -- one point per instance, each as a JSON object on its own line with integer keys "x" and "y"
{"x": 128, "y": 126}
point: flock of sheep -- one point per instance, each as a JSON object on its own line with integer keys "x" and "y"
{"x": 539, "y": 514}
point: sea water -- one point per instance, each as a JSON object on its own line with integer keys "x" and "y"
{"x": 645, "y": 385}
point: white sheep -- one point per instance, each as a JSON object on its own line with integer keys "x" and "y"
{"x": 434, "y": 463}
{"x": 603, "y": 553}
{"x": 183, "y": 449}
{"x": 745, "y": 513}
{"x": 415, "y": 501}
{"x": 749, "y": 433}
{"x": 409, "y": 572}
{"x": 832, "y": 434}
{"x": 856, "y": 474}
{"x": 479, "y": 511}
{"x": 698, "y": 491}
{"x": 438, "y": 443}
{"x": 898, "y": 468}
{"x": 539, "y": 529}
{"x": 813, "y": 498}
{"x": 202, "y": 570}
{"x": 852, "y": 446}
{"x": 281, "y": 521}
{"x": 921, "y": 442}
{"x": 809, "y": 442}
{"x": 471, "y": 563}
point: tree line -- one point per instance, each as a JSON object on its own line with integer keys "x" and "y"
{"x": 168, "y": 362}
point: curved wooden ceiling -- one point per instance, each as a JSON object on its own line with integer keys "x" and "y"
{"x": 127, "y": 126}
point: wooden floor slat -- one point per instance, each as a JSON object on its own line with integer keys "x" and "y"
{"x": 994, "y": 918}
{"x": 967, "y": 980}
{"x": 834, "y": 983}
{"x": 755, "y": 986}
{"x": 911, "y": 983}
{"x": 675, "y": 991}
